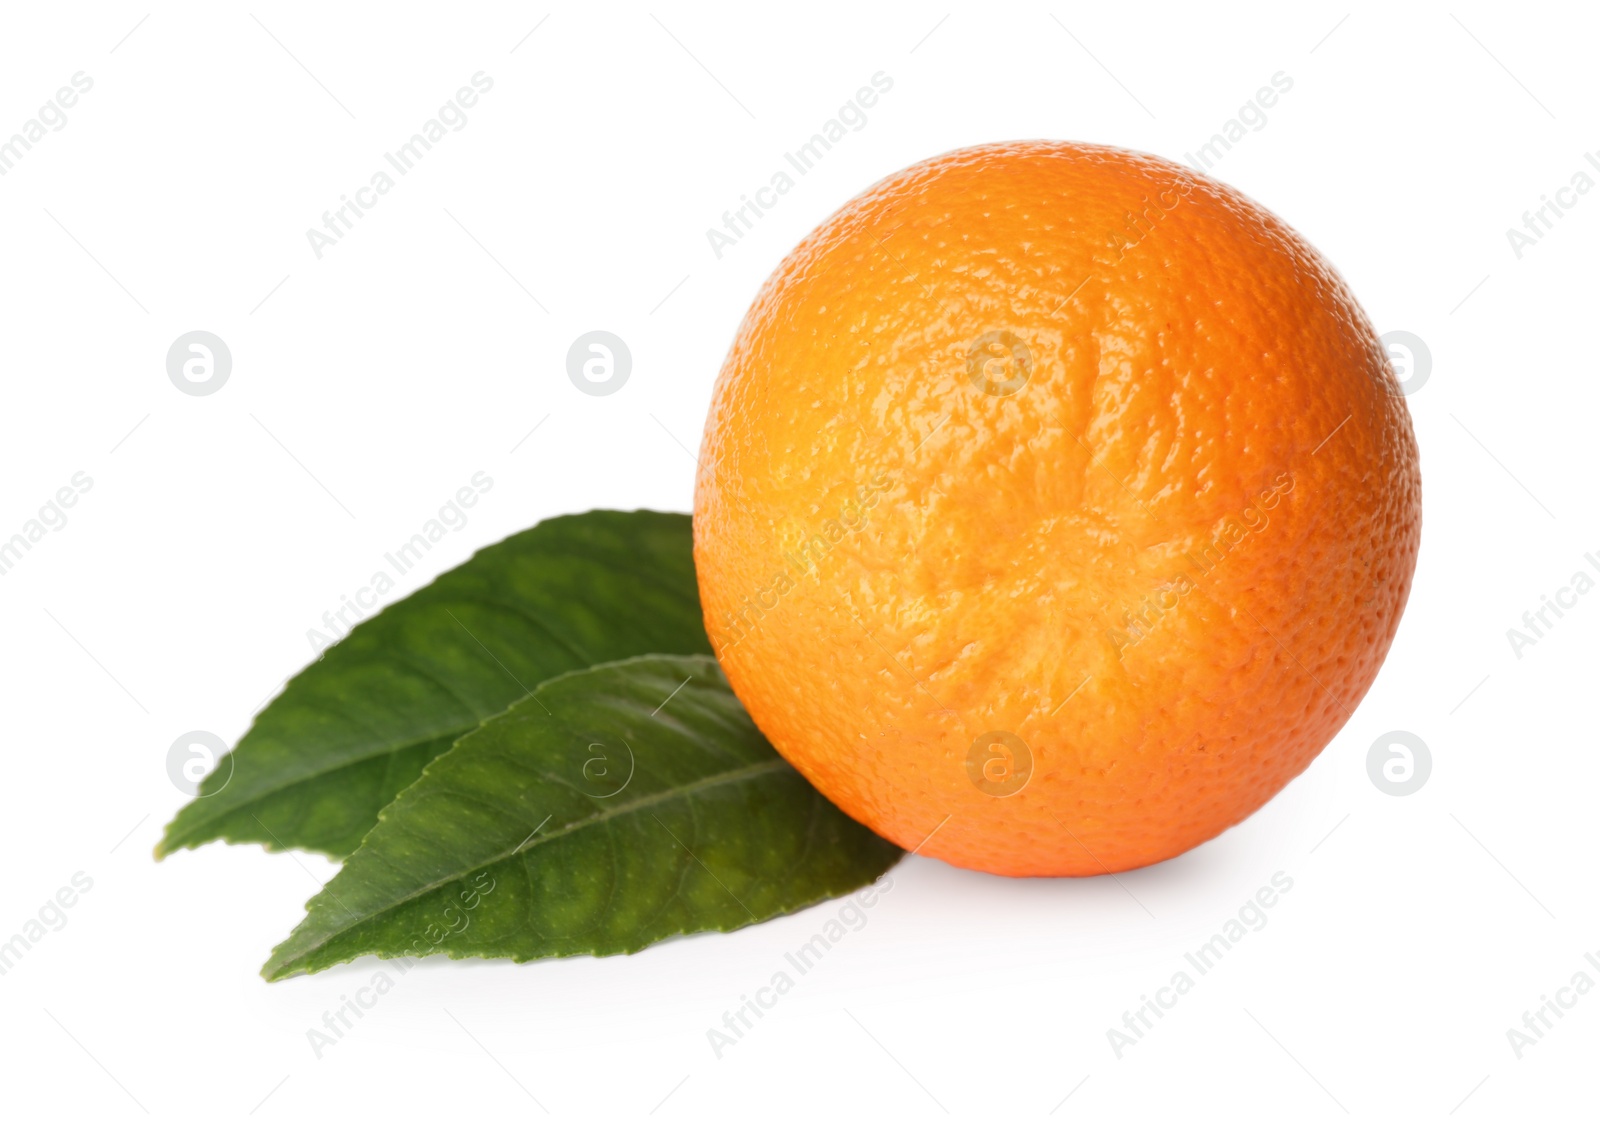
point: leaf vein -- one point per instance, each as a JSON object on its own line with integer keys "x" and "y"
{"x": 601, "y": 817}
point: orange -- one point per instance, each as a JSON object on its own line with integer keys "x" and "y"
{"x": 1056, "y": 506}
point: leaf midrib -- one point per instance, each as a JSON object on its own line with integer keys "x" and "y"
{"x": 751, "y": 771}
{"x": 250, "y": 798}
{"x": 246, "y": 799}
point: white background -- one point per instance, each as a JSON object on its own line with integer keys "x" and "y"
{"x": 369, "y": 385}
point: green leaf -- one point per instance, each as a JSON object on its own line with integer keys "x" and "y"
{"x": 353, "y": 729}
{"x": 610, "y": 809}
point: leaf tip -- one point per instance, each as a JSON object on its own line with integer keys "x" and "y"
{"x": 168, "y": 844}
{"x": 280, "y": 967}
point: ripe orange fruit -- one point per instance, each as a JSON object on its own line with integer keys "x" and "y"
{"x": 1057, "y": 504}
